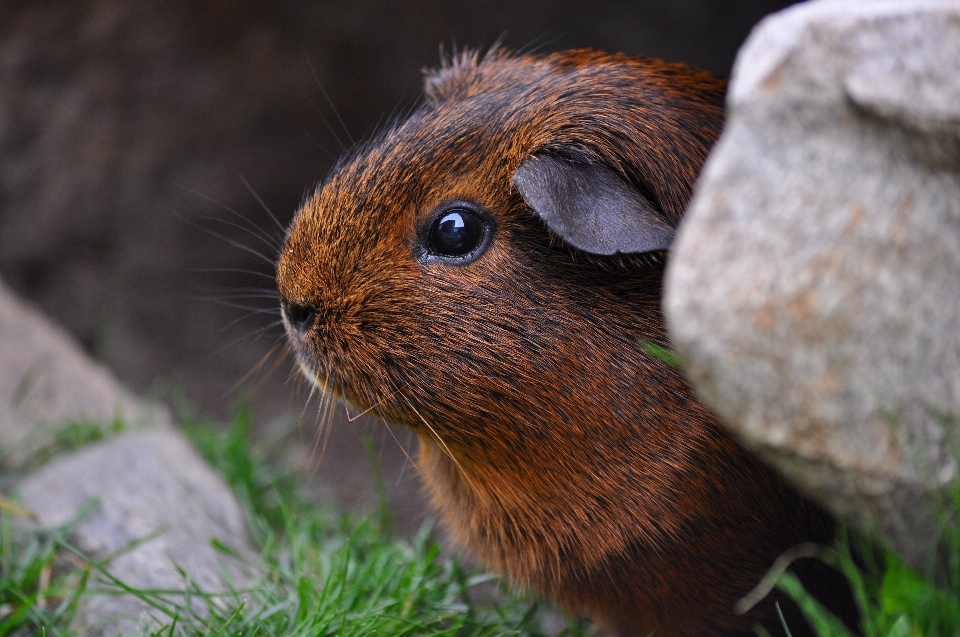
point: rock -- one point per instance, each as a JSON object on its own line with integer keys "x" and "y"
{"x": 153, "y": 486}
{"x": 47, "y": 382}
{"x": 147, "y": 482}
{"x": 814, "y": 287}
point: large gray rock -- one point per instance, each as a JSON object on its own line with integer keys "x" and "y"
{"x": 153, "y": 486}
{"x": 814, "y": 288}
{"x": 47, "y": 382}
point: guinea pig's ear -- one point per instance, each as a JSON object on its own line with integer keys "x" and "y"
{"x": 591, "y": 207}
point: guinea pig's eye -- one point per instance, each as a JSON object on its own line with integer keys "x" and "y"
{"x": 457, "y": 233}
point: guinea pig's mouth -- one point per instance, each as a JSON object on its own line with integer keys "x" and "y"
{"x": 325, "y": 385}
{"x": 319, "y": 368}
{"x": 324, "y": 378}
{"x": 297, "y": 321}
{"x": 328, "y": 387}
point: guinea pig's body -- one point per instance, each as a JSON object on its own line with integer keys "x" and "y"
{"x": 426, "y": 280}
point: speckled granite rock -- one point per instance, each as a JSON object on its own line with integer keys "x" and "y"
{"x": 150, "y": 485}
{"x": 814, "y": 288}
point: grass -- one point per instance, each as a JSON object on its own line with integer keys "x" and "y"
{"x": 319, "y": 572}
{"x": 325, "y": 573}
{"x": 894, "y": 599}
{"x": 32, "y": 598}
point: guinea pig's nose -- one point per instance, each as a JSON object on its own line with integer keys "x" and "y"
{"x": 301, "y": 317}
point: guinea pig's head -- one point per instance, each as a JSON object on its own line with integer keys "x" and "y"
{"x": 481, "y": 270}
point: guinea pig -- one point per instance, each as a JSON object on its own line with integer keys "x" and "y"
{"x": 486, "y": 273}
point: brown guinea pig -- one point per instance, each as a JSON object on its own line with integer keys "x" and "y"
{"x": 485, "y": 273}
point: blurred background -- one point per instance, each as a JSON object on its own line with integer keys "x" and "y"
{"x": 126, "y": 124}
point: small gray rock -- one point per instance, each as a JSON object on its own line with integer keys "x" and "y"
{"x": 149, "y": 485}
{"x": 814, "y": 287}
{"x": 47, "y": 381}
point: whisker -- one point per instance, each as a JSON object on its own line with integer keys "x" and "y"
{"x": 244, "y": 317}
{"x": 256, "y": 233}
{"x": 327, "y": 425}
{"x": 263, "y": 275}
{"x": 409, "y": 461}
{"x": 262, "y": 203}
{"x": 226, "y": 239}
{"x": 404, "y": 450}
{"x": 260, "y": 364}
{"x": 368, "y": 410}
{"x": 237, "y": 296}
{"x": 389, "y": 429}
{"x": 313, "y": 387}
{"x": 322, "y": 148}
{"x": 285, "y": 352}
{"x": 444, "y": 447}
{"x": 296, "y": 375}
{"x": 326, "y": 123}
{"x": 313, "y": 390}
{"x": 327, "y": 97}
{"x": 325, "y": 419}
{"x": 251, "y": 228}
{"x": 258, "y": 332}
{"x": 240, "y": 295}
{"x": 310, "y": 376}
{"x": 238, "y": 289}
{"x": 272, "y": 311}
{"x": 255, "y": 335}
{"x": 324, "y": 425}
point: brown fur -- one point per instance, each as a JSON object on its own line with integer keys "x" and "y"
{"x": 554, "y": 448}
